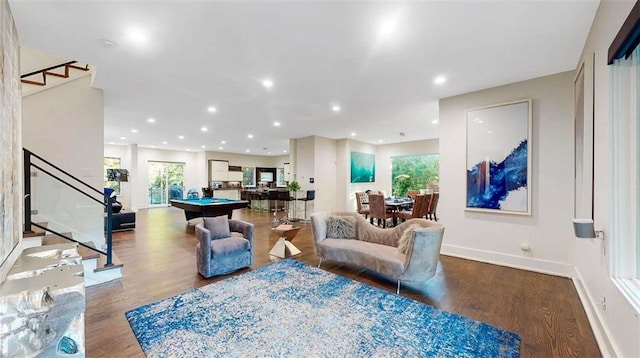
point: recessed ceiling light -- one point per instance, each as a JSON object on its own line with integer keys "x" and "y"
{"x": 220, "y": 148}
{"x": 122, "y": 138}
{"x": 188, "y": 150}
{"x": 268, "y": 152}
{"x": 335, "y": 108}
{"x": 223, "y": 141}
{"x": 489, "y": 131}
{"x": 435, "y": 121}
{"x": 277, "y": 124}
{"x": 137, "y": 36}
{"x": 353, "y": 134}
{"x": 180, "y": 137}
{"x": 387, "y": 27}
{"x": 267, "y": 83}
{"x": 250, "y": 136}
{"x": 204, "y": 129}
{"x": 212, "y": 109}
{"x": 164, "y": 142}
{"x": 204, "y": 146}
{"x": 247, "y": 150}
{"x": 284, "y": 151}
{"x": 151, "y": 120}
{"x": 134, "y": 131}
{"x": 111, "y": 143}
{"x": 152, "y": 146}
{"x": 440, "y": 80}
{"x": 380, "y": 141}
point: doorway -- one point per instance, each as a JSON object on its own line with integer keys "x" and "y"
{"x": 166, "y": 182}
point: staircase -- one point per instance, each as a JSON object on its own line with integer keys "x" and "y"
{"x": 95, "y": 269}
{"x": 65, "y": 199}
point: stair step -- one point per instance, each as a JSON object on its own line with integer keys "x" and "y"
{"x": 86, "y": 253}
{"x": 102, "y": 261}
{"x": 36, "y": 231}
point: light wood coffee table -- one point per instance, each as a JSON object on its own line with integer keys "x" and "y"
{"x": 284, "y": 248}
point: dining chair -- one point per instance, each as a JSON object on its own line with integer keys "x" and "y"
{"x": 412, "y": 193}
{"x": 417, "y": 210}
{"x": 362, "y": 199}
{"x": 433, "y": 205}
{"x": 378, "y": 209}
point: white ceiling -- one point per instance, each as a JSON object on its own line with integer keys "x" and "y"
{"x": 202, "y": 53}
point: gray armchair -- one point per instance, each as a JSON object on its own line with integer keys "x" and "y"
{"x": 224, "y": 245}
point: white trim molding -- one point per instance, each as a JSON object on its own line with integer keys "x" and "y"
{"x": 597, "y": 323}
{"x": 502, "y": 259}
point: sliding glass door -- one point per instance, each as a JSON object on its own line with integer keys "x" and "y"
{"x": 166, "y": 182}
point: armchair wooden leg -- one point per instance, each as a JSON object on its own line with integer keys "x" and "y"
{"x": 319, "y": 262}
{"x": 398, "y": 289}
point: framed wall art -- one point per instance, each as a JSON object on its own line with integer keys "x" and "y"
{"x": 499, "y": 158}
{"x": 363, "y": 167}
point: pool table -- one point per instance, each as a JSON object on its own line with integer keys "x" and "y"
{"x": 195, "y": 208}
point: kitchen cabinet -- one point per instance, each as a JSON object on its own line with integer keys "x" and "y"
{"x": 219, "y": 170}
{"x": 235, "y": 176}
{"x": 227, "y": 194}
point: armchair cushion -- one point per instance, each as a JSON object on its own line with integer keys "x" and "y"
{"x": 218, "y": 226}
{"x": 229, "y": 245}
{"x": 341, "y": 227}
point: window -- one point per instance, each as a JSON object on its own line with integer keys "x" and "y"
{"x": 166, "y": 182}
{"x": 111, "y": 163}
{"x": 624, "y": 58}
{"x": 248, "y": 177}
{"x": 280, "y": 178}
{"x": 414, "y": 172}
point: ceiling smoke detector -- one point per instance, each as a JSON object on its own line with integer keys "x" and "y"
{"x": 401, "y": 134}
{"x": 107, "y": 43}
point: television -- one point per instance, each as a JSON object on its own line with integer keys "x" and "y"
{"x": 117, "y": 175}
{"x": 266, "y": 177}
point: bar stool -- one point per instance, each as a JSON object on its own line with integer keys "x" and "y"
{"x": 285, "y": 198}
{"x": 311, "y": 195}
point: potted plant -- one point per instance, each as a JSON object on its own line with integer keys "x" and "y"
{"x": 293, "y": 186}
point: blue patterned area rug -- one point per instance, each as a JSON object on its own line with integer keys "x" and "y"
{"x": 294, "y": 310}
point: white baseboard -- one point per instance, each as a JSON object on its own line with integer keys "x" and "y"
{"x": 546, "y": 267}
{"x": 593, "y": 315}
{"x": 519, "y": 262}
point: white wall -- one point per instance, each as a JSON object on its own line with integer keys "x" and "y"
{"x": 619, "y": 322}
{"x": 64, "y": 124}
{"x": 324, "y": 176}
{"x": 495, "y": 237}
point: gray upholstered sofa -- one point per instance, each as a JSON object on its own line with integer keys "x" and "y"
{"x": 377, "y": 249}
{"x": 224, "y": 245}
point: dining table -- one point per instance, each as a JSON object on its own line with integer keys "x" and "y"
{"x": 395, "y": 205}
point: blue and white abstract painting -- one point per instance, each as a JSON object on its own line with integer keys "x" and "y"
{"x": 498, "y": 158}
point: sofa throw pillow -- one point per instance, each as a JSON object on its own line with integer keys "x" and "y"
{"x": 341, "y": 227}
{"x": 218, "y": 226}
{"x": 407, "y": 238}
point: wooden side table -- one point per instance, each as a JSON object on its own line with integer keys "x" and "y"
{"x": 284, "y": 248}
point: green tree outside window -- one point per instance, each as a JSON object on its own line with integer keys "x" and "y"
{"x": 413, "y": 172}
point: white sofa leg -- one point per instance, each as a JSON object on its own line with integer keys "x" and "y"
{"x": 398, "y": 289}
{"x": 319, "y": 262}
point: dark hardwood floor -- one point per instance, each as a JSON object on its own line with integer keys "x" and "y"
{"x": 159, "y": 261}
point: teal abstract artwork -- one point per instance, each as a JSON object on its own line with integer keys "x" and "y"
{"x": 363, "y": 167}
